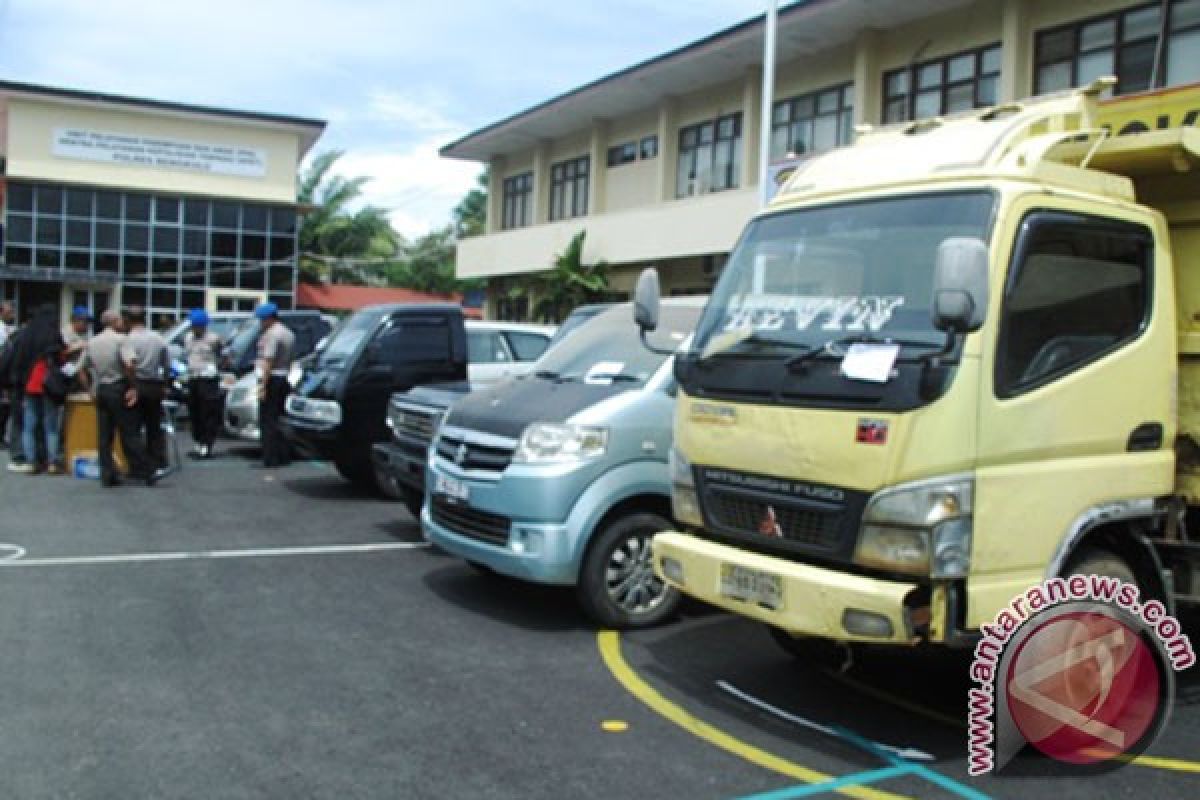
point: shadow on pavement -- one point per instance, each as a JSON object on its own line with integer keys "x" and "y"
{"x": 529, "y": 606}
{"x": 402, "y": 529}
{"x": 330, "y": 487}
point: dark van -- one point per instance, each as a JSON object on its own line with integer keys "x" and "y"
{"x": 339, "y": 409}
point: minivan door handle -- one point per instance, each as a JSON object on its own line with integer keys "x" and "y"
{"x": 1147, "y": 436}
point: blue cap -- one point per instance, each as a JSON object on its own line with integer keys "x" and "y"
{"x": 266, "y": 311}
{"x": 79, "y": 312}
{"x": 198, "y": 317}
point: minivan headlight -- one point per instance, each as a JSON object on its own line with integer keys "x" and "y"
{"x": 921, "y": 528}
{"x": 551, "y": 443}
{"x": 685, "y": 503}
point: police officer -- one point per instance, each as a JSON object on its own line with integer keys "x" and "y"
{"x": 109, "y": 366}
{"x": 275, "y": 346}
{"x": 151, "y": 369}
{"x": 202, "y": 349}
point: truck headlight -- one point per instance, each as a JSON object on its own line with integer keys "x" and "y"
{"x": 549, "y": 443}
{"x": 685, "y": 503}
{"x": 328, "y": 412}
{"x": 922, "y": 528}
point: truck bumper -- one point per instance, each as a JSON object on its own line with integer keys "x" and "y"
{"x": 404, "y": 467}
{"x": 814, "y": 601}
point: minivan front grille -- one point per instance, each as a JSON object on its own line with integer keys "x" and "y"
{"x": 470, "y": 522}
{"x": 469, "y": 453}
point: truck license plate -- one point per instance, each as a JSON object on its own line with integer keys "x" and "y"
{"x": 450, "y": 487}
{"x": 752, "y": 586}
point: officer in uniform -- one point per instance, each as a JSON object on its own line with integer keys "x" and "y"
{"x": 109, "y": 367}
{"x": 275, "y": 347}
{"x": 152, "y": 366}
{"x": 202, "y": 349}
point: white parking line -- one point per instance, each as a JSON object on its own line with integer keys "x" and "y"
{"x": 272, "y": 552}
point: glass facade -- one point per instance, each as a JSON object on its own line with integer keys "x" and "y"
{"x": 164, "y": 251}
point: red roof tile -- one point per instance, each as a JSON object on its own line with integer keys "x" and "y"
{"x": 335, "y": 297}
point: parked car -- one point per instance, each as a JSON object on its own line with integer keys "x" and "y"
{"x": 339, "y": 409}
{"x": 561, "y": 476}
{"x": 413, "y": 418}
{"x": 239, "y": 378}
{"x": 498, "y": 350}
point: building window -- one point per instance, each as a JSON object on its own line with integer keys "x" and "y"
{"x": 942, "y": 86}
{"x": 624, "y": 153}
{"x": 518, "y": 201}
{"x": 710, "y": 156}
{"x": 649, "y": 146}
{"x": 164, "y": 259}
{"x": 569, "y": 188}
{"x": 812, "y": 123}
{"x": 1125, "y": 44}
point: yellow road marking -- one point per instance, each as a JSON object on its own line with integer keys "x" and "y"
{"x": 614, "y": 726}
{"x": 1156, "y": 762}
{"x": 609, "y": 643}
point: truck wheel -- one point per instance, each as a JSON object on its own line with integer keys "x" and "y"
{"x": 360, "y": 474}
{"x": 617, "y": 585}
{"x": 1098, "y": 561}
{"x": 811, "y": 650}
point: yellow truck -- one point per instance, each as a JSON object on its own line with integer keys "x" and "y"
{"x": 945, "y": 364}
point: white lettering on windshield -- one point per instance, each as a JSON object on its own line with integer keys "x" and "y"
{"x": 770, "y": 312}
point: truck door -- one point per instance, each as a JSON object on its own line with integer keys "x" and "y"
{"x": 1075, "y": 406}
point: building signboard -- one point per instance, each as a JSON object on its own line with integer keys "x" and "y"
{"x": 156, "y": 151}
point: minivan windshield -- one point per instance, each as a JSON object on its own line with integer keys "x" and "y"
{"x": 346, "y": 339}
{"x": 799, "y": 280}
{"x": 607, "y": 348}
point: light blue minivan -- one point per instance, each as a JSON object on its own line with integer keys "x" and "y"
{"x": 560, "y": 476}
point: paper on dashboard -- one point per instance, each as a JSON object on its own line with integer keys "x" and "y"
{"x": 870, "y": 362}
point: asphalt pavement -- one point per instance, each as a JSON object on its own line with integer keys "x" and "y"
{"x": 247, "y": 633}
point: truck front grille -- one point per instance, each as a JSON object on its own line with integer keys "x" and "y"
{"x": 756, "y": 517}
{"x": 409, "y": 423}
{"x": 470, "y": 522}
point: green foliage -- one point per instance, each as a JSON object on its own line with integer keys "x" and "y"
{"x": 333, "y": 239}
{"x": 569, "y": 284}
{"x": 470, "y": 215}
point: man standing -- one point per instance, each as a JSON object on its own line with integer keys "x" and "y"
{"x": 7, "y": 316}
{"x": 275, "y": 345}
{"x": 111, "y": 362}
{"x": 152, "y": 365}
{"x": 75, "y": 337}
{"x": 202, "y": 348}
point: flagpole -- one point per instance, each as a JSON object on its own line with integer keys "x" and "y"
{"x": 768, "y": 101}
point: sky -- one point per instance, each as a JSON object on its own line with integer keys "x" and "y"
{"x": 395, "y": 79}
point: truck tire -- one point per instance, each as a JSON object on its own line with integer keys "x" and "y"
{"x": 359, "y": 473}
{"x": 617, "y": 585}
{"x": 1099, "y": 561}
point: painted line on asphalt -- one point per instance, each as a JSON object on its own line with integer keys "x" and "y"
{"x": 853, "y": 779}
{"x": 11, "y": 552}
{"x": 199, "y": 555}
{"x": 609, "y": 643}
{"x": 907, "y": 753}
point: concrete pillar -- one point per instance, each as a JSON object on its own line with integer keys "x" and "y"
{"x": 868, "y": 79}
{"x": 495, "y": 193}
{"x": 1016, "y": 39}
{"x": 541, "y": 183}
{"x": 598, "y": 167}
{"x": 668, "y": 147}
{"x": 751, "y": 125}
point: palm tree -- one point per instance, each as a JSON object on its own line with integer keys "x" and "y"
{"x": 333, "y": 240}
{"x": 569, "y": 283}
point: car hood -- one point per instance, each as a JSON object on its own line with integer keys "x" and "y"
{"x": 509, "y": 407}
{"x": 437, "y": 395}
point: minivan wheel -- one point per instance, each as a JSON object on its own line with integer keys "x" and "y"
{"x": 617, "y": 585}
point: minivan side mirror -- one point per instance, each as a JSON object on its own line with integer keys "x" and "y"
{"x": 646, "y": 300}
{"x": 960, "y": 285}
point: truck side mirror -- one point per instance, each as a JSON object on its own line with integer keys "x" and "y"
{"x": 960, "y": 285}
{"x": 646, "y": 300}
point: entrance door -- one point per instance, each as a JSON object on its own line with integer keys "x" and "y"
{"x": 234, "y": 299}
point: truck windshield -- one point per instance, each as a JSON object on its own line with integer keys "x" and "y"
{"x": 608, "y": 348}
{"x": 799, "y": 280}
{"x": 346, "y": 339}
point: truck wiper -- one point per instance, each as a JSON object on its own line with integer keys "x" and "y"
{"x": 830, "y": 347}
{"x": 547, "y": 375}
{"x": 719, "y": 347}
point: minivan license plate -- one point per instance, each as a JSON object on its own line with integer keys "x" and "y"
{"x": 450, "y": 487}
{"x": 752, "y": 586}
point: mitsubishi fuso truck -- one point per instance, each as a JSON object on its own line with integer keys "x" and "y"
{"x": 945, "y": 363}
